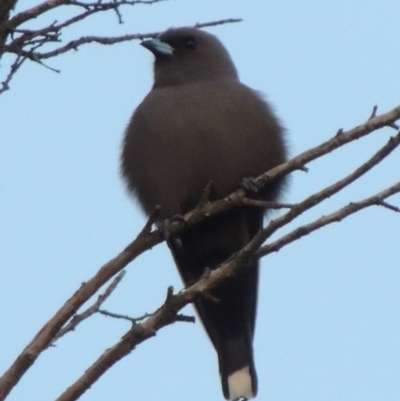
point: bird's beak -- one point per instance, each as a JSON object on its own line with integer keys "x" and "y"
{"x": 158, "y": 48}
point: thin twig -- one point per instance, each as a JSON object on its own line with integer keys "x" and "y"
{"x": 389, "y": 206}
{"x": 103, "y": 40}
{"x": 13, "y": 69}
{"x": 133, "y": 320}
{"x": 73, "y": 323}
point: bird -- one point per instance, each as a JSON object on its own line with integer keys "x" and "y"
{"x": 199, "y": 126}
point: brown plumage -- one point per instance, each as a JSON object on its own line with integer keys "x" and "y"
{"x": 198, "y": 124}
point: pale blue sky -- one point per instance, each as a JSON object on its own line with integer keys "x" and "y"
{"x": 329, "y": 307}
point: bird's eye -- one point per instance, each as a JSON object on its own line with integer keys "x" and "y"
{"x": 190, "y": 44}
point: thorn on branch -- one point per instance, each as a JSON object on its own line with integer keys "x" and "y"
{"x": 185, "y": 318}
{"x": 170, "y": 293}
{"x": 373, "y": 114}
{"x": 304, "y": 168}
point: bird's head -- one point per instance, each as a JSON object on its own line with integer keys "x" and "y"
{"x": 186, "y": 55}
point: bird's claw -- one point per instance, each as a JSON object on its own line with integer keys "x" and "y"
{"x": 179, "y": 218}
{"x": 163, "y": 227}
{"x": 250, "y": 186}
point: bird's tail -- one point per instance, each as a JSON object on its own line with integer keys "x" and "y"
{"x": 236, "y": 366}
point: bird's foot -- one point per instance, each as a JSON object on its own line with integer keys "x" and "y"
{"x": 250, "y": 186}
{"x": 179, "y": 218}
{"x": 173, "y": 241}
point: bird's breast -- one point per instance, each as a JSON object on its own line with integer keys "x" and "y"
{"x": 179, "y": 140}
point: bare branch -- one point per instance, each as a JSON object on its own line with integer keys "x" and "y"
{"x": 46, "y": 335}
{"x": 340, "y": 139}
{"x": 74, "y": 44}
{"x": 26, "y": 44}
{"x": 325, "y": 193}
{"x": 336, "y": 216}
{"x": 166, "y": 315}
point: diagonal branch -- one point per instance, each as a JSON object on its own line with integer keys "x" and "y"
{"x": 327, "y": 192}
{"x": 297, "y": 163}
{"x": 167, "y": 313}
{"x": 147, "y": 240}
{"x": 337, "y": 216}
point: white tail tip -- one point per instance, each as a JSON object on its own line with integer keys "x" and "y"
{"x": 239, "y": 384}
